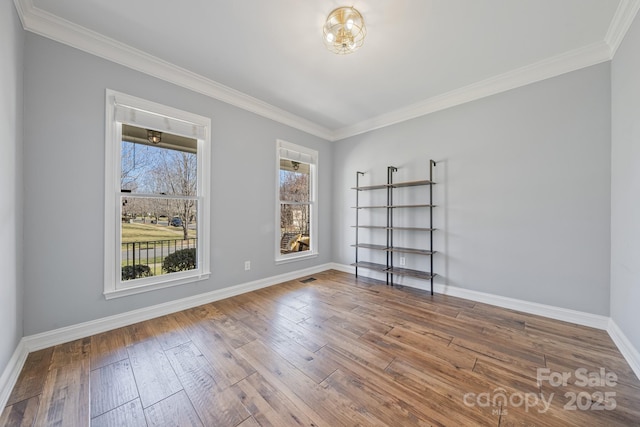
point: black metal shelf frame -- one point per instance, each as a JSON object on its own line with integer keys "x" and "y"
{"x": 389, "y": 269}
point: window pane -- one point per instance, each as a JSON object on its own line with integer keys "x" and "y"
{"x": 164, "y": 165}
{"x": 158, "y": 235}
{"x": 294, "y": 181}
{"x": 294, "y": 228}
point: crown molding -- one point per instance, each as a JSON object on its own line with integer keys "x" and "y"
{"x": 58, "y": 29}
{"x": 547, "y": 68}
{"x": 53, "y": 27}
{"x": 620, "y": 24}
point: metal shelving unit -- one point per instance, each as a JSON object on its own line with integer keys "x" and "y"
{"x": 389, "y": 267}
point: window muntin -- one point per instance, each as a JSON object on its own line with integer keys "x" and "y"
{"x": 157, "y": 184}
{"x": 296, "y": 213}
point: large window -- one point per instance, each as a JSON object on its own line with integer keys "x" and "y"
{"x": 296, "y": 213}
{"x": 157, "y": 221}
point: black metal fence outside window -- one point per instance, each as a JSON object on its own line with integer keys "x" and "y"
{"x": 152, "y": 253}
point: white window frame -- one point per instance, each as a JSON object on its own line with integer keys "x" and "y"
{"x": 147, "y": 114}
{"x": 306, "y": 155}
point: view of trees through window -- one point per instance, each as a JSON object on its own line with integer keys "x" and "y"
{"x": 159, "y": 205}
{"x": 295, "y": 206}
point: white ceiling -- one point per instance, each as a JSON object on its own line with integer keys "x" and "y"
{"x": 268, "y": 56}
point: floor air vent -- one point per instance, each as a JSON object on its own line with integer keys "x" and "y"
{"x": 308, "y": 279}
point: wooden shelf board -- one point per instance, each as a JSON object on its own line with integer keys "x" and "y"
{"x": 394, "y": 185}
{"x": 412, "y": 183}
{"x": 410, "y": 206}
{"x": 410, "y": 251}
{"x": 392, "y": 206}
{"x": 370, "y": 246}
{"x": 411, "y": 228}
{"x": 370, "y": 266}
{"x": 383, "y": 227}
{"x": 425, "y": 275}
{"x": 370, "y": 187}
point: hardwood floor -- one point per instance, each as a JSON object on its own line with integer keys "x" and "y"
{"x": 331, "y": 352}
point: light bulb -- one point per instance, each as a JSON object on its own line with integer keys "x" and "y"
{"x": 349, "y": 24}
{"x": 330, "y": 37}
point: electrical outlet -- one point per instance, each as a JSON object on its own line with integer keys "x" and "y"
{"x": 247, "y": 265}
{"x": 403, "y": 261}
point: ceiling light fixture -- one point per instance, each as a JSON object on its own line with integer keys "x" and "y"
{"x": 344, "y": 30}
{"x": 154, "y": 136}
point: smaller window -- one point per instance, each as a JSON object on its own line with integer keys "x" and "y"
{"x": 296, "y": 215}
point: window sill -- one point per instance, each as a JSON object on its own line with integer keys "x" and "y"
{"x": 138, "y": 289}
{"x": 295, "y": 258}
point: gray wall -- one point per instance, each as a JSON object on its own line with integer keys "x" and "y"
{"x": 524, "y": 189}
{"x": 625, "y": 186}
{"x": 64, "y": 179}
{"x": 11, "y": 61}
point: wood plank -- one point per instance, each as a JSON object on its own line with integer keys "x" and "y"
{"x": 436, "y": 409}
{"x": 387, "y": 408}
{"x": 423, "y": 305}
{"x": 512, "y": 379}
{"x": 65, "y": 396}
{"x": 168, "y": 330}
{"x": 249, "y": 422}
{"x": 152, "y": 371}
{"x": 283, "y": 295}
{"x": 306, "y": 361}
{"x": 112, "y": 386}
{"x": 269, "y": 406}
{"x": 492, "y": 319}
{"x": 270, "y": 309}
{"x": 407, "y": 345}
{"x": 360, "y": 351}
{"x": 20, "y": 414}
{"x": 589, "y": 358}
{"x": 130, "y": 415}
{"x": 213, "y": 404}
{"x": 137, "y": 333}
{"x": 30, "y": 382}
{"x": 261, "y": 411}
{"x": 234, "y": 307}
{"x": 107, "y": 348}
{"x": 228, "y": 368}
{"x": 437, "y": 377}
{"x": 319, "y": 405}
{"x": 175, "y": 411}
{"x": 306, "y": 293}
{"x": 501, "y": 350}
{"x": 233, "y": 332}
{"x": 71, "y": 352}
{"x": 273, "y": 329}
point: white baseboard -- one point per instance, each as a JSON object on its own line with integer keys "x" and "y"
{"x": 11, "y": 373}
{"x": 627, "y": 349}
{"x": 85, "y": 329}
{"x": 557, "y": 313}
